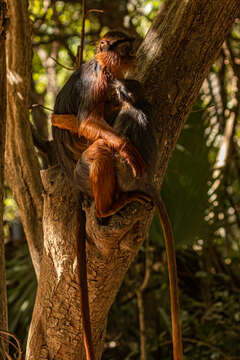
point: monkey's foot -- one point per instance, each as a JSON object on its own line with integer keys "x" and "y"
{"x": 133, "y": 158}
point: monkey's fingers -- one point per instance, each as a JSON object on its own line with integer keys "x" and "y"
{"x": 133, "y": 158}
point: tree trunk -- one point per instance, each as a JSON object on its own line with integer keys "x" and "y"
{"x": 22, "y": 168}
{"x": 180, "y": 47}
{"x": 3, "y": 105}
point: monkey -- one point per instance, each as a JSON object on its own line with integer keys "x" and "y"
{"x": 84, "y": 97}
{"x": 87, "y": 91}
{"x": 134, "y": 122}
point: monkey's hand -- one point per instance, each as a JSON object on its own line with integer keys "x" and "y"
{"x": 95, "y": 127}
{"x": 132, "y": 157}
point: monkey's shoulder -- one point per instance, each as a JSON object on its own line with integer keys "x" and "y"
{"x": 77, "y": 90}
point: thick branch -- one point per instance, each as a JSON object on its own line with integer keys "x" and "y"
{"x": 110, "y": 250}
{"x": 22, "y": 170}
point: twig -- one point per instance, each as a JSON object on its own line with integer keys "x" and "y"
{"x": 209, "y": 106}
{"x": 93, "y": 11}
{"x": 63, "y": 66}
{"x": 40, "y": 105}
{"x": 4, "y": 335}
{"x": 79, "y": 56}
{"x": 85, "y": 13}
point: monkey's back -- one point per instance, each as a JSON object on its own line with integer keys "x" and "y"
{"x": 74, "y": 98}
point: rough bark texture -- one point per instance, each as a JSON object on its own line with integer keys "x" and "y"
{"x": 180, "y": 47}
{"x": 3, "y": 105}
{"x": 22, "y": 168}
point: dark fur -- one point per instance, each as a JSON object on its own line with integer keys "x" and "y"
{"x": 134, "y": 120}
{"x": 74, "y": 98}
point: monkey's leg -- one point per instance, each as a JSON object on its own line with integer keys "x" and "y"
{"x": 95, "y": 175}
{"x": 94, "y": 128}
{"x": 96, "y": 168}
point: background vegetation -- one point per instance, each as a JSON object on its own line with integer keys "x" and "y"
{"x": 201, "y": 192}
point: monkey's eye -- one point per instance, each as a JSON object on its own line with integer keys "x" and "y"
{"x": 103, "y": 46}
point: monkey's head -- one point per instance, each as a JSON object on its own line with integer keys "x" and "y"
{"x": 115, "y": 52}
{"x": 118, "y": 42}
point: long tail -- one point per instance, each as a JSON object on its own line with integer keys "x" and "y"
{"x": 7, "y": 337}
{"x": 82, "y": 279}
{"x": 172, "y": 271}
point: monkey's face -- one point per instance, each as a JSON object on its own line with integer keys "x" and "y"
{"x": 117, "y": 42}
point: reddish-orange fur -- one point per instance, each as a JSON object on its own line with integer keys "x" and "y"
{"x": 99, "y": 155}
{"x": 116, "y": 65}
{"x": 67, "y": 122}
{"x": 95, "y": 127}
{"x": 100, "y": 139}
{"x": 100, "y": 158}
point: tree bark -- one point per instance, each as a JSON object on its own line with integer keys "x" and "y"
{"x": 22, "y": 167}
{"x": 176, "y": 55}
{"x": 3, "y": 105}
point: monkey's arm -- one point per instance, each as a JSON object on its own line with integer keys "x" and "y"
{"x": 95, "y": 127}
{"x": 65, "y": 121}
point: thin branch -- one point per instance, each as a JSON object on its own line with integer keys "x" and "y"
{"x": 79, "y": 57}
{"x": 5, "y": 335}
{"x": 85, "y": 13}
{"x": 63, "y": 66}
{"x": 209, "y": 106}
{"x": 42, "y": 106}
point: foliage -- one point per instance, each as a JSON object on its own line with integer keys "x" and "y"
{"x": 201, "y": 191}
{"x": 21, "y": 284}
